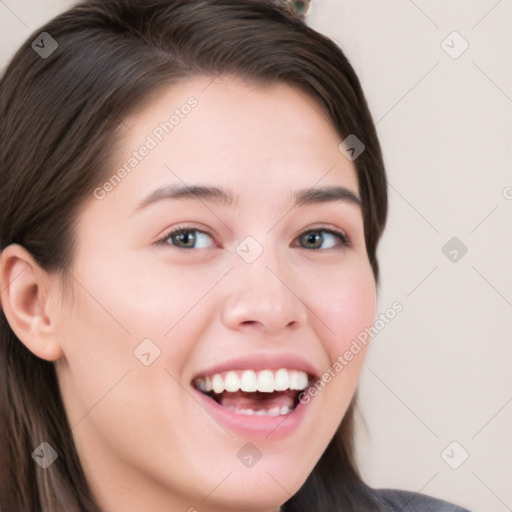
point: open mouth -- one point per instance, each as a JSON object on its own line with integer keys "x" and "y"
{"x": 252, "y": 392}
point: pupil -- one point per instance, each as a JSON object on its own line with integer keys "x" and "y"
{"x": 313, "y": 237}
{"x": 184, "y": 238}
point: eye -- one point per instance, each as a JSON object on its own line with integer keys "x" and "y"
{"x": 186, "y": 238}
{"x": 314, "y": 238}
{"x": 191, "y": 238}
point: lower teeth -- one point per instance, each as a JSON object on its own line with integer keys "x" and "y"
{"x": 276, "y": 411}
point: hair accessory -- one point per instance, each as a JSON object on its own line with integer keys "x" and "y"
{"x": 300, "y": 7}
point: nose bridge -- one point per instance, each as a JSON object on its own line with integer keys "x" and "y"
{"x": 263, "y": 291}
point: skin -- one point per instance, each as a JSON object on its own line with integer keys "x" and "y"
{"x": 144, "y": 443}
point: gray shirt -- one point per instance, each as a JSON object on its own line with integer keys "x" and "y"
{"x": 407, "y": 501}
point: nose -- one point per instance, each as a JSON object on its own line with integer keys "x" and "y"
{"x": 264, "y": 296}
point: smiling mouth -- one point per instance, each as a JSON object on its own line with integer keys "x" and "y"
{"x": 251, "y": 392}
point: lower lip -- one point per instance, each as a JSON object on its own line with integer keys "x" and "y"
{"x": 253, "y": 427}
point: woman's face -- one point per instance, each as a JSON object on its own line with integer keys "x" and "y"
{"x": 254, "y": 283}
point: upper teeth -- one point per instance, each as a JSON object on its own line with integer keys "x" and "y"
{"x": 266, "y": 381}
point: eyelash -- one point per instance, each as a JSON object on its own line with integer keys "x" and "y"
{"x": 345, "y": 241}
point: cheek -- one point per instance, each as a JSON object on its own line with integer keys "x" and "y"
{"x": 117, "y": 305}
{"x": 347, "y": 305}
{"x": 107, "y": 388}
{"x": 125, "y": 297}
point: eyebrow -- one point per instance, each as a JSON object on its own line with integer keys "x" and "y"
{"x": 220, "y": 196}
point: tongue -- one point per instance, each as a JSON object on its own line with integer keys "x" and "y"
{"x": 258, "y": 401}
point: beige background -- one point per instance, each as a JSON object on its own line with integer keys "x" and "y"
{"x": 441, "y": 370}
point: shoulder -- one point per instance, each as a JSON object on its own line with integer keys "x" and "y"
{"x": 407, "y": 501}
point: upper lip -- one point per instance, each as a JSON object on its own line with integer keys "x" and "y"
{"x": 290, "y": 361}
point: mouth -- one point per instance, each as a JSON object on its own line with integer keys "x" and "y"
{"x": 255, "y": 392}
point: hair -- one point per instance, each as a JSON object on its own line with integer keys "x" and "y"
{"x": 60, "y": 119}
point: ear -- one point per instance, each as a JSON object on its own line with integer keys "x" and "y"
{"x": 25, "y": 300}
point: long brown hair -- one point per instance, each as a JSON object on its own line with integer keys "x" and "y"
{"x": 59, "y": 115}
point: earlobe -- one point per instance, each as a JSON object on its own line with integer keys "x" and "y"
{"x": 26, "y": 303}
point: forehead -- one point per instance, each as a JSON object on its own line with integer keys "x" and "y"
{"x": 255, "y": 139}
